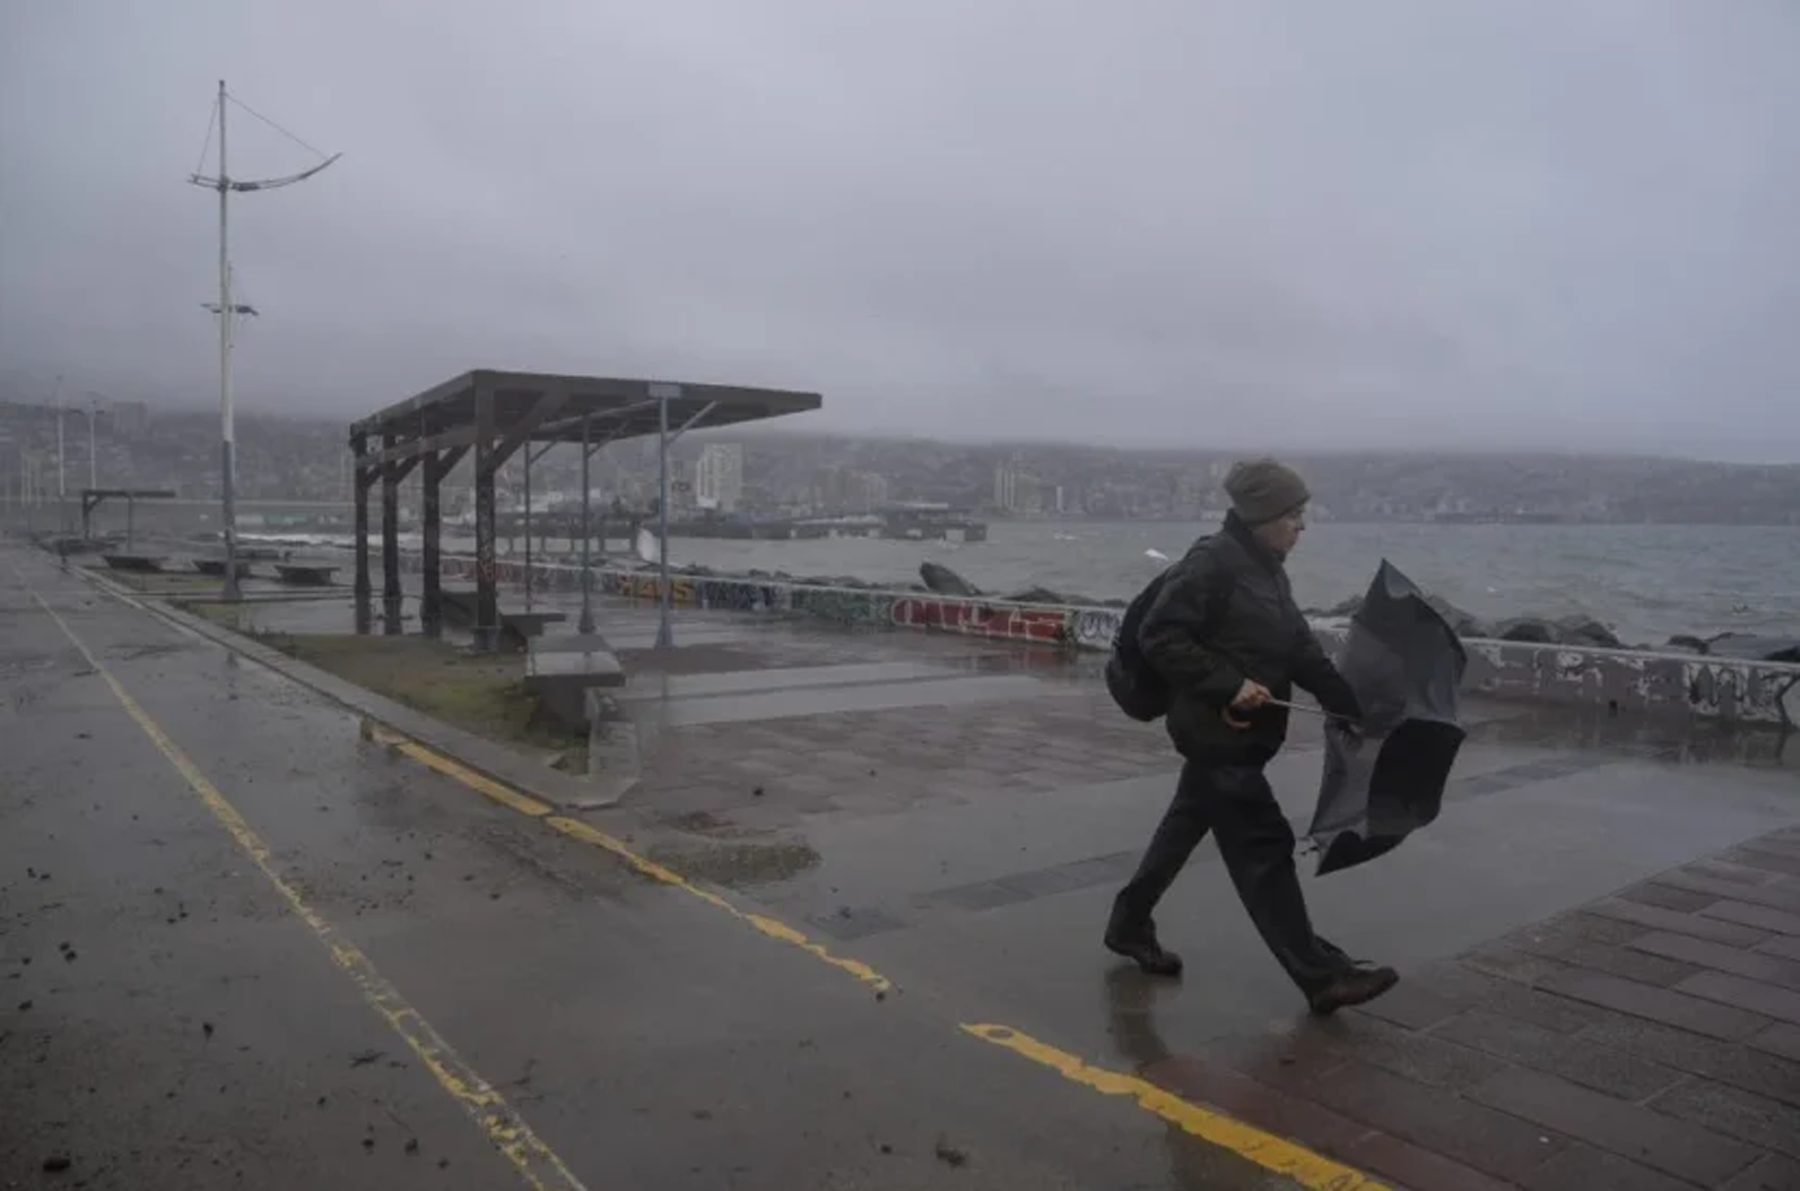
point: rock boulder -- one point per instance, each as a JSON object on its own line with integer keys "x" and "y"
{"x": 1526, "y": 629}
{"x": 1754, "y": 648}
{"x": 1583, "y": 630}
{"x": 944, "y": 581}
{"x": 1037, "y": 595}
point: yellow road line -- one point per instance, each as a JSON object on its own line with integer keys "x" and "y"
{"x": 772, "y": 927}
{"x": 1306, "y": 1168}
{"x": 588, "y": 834}
{"x": 1313, "y": 1171}
{"x": 450, "y": 767}
{"x": 541, "y": 1168}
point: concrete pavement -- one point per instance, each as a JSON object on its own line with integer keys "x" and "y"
{"x": 643, "y": 989}
{"x": 195, "y": 1032}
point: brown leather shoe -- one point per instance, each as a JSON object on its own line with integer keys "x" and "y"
{"x": 1358, "y": 986}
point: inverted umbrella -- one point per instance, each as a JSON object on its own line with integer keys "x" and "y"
{"x": 1405, "y": 664}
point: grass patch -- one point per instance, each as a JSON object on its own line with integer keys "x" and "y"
{"x": 163, "y": 582}
{"x": 483, "y": 693}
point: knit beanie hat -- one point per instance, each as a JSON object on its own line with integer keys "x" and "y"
{"x": 1262, "y": 490}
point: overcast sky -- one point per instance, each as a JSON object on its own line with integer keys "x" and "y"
{"x": 1463, "y": 225}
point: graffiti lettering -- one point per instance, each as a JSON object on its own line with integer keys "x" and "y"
{"x": 977, "y": 619}
{"x": 1095, "y": 628}
{"x": 738, "y": 595}
{"x": 841, "y": 605}
{"x": 634, "y": 585}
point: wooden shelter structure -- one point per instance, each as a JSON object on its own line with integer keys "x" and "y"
{"x": 491, "y": 415}
{"x": 93, "y": 498}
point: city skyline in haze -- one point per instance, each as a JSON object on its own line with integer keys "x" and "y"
{"x": 1402, "y": 226}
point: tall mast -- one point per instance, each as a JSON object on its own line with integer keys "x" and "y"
{"x": 227, "y": 311}
{"x": 227, "y": 423}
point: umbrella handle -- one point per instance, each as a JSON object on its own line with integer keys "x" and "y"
{"x": 1233, "y": 722}
{"x": 1303, "y": 708}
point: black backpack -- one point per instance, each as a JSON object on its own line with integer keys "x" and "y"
{"x": 1133, "y": 682}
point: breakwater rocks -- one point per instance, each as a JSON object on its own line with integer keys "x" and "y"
{"x": 1584, "y": 632}
{"x": 1581, "y": 632}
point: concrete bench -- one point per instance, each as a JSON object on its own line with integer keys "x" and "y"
{"x": 216, "y": 566}
{"x": 303, "y": 574}
{"x": 133, "y": 562}
{"x": 518, "y": 629}
{"x": 517, "y": 626}
{"x": 559, "y": 672}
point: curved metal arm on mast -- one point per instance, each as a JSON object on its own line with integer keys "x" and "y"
{"x": 266, "y": 183}
{"x": 277, "y": 183}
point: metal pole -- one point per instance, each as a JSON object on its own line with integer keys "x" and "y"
{"x": 665, "y": 634}
{"x": 586, "y": 624}
{"x": 62, "y": 477}
{"x": 528, "y": 524}
{"x": 391, "y": 595}
{"x": 363, "y": 592}
{"x": 431, "y": 603}
{"x": 93, "y": 453}
{"x": 228, "y": 435}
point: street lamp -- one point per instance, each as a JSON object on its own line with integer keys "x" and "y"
{"x": 225, "y": 309}
{"x": 93, "y": 413}
{"x": 62, "y": 485}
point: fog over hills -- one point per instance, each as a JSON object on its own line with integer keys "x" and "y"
{"x": 792, "y": 469}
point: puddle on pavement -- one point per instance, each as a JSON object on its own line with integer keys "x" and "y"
{"x": 1664, "y": 739}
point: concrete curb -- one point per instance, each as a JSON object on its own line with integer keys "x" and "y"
{"x": 496, "y": 762}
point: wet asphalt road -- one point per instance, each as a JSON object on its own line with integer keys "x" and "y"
{"x": 168, "y": 1020}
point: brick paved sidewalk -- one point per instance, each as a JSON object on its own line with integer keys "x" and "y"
{"x": 1646, "y": 1042}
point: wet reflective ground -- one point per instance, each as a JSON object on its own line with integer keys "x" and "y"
{"x": 953, "y": 813}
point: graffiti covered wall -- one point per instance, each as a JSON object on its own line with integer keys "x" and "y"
{"x": 843, "y": 605}
{"x": 979, "y": 618}
{"x": 1617, "y": 680}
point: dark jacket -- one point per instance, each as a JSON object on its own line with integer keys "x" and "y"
{"x": 1205, "y": 646}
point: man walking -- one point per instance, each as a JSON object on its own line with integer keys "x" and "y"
{"x": 1227, "y": 637}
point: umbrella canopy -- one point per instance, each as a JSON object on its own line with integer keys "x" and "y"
{"x": 1405, "y": 664}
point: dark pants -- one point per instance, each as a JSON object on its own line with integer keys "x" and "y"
{"x": 1237, "y": 805}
